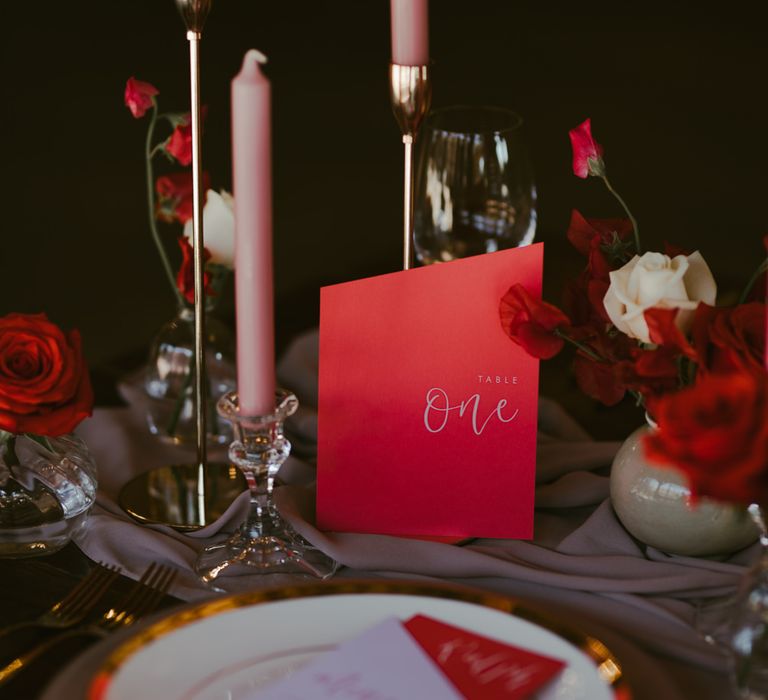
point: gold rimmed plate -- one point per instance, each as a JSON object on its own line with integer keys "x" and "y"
{"x": 232, "y": 646}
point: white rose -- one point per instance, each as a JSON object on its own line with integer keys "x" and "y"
{"x": 656, "y": 280}
{"x": 218, "y": 227}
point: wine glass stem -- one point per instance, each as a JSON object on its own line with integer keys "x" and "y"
{"x": 407, "y": 201}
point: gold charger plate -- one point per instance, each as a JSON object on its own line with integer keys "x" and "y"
{"x": 239, "y": 643}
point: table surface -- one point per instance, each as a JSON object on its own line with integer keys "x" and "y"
{"x": 30, "y": 586}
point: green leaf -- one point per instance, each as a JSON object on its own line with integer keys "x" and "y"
{"x": 176, "y": 118}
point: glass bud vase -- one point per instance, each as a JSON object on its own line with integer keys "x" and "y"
{"x": 47, "y": 487}
{"x": 749, "y": 624}
{"x": 169, "y": 380}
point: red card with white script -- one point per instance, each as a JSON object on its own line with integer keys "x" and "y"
{"x": 427, "y": 410}
{"x": 480, "y": 667}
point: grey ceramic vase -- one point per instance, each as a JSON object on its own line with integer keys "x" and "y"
{"x": 653, "y": 504}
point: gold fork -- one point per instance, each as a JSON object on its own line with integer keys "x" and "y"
{"x": 141, "y": 599}
{"x": 73, "y": 608}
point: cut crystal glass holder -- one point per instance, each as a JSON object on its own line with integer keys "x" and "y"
{"x": 265, "y": 543}
{"x": 47, "y": 487}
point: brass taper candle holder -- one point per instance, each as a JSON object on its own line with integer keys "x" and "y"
{"x": 189, "y": 496}
{"x": 411, "y": 94}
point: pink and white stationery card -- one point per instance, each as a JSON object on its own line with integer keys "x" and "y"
{"x": 382, "y": 663}
{"x": 427, "y": 410}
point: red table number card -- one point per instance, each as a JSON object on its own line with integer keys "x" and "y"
{"x": 427, "y": 410}
{"x": 481, "y": 667}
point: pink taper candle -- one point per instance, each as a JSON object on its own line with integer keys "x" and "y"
{"x": 410, "y": 32}
{"x": 252, "y": 179}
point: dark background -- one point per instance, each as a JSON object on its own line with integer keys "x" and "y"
{"x": 675, "y": 92}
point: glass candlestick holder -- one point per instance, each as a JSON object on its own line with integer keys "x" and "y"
{"x": 265, "y": 543}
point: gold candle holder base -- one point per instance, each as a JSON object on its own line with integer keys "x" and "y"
{"x": 173, "y": 495}
{"x": 410, "y": 91}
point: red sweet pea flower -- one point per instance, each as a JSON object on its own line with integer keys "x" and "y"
{"x": 731, "y": 339}
{"x": 531, "y": 322}
{"x": 174, "y": 193}
{"x": 179, "y": 145}
{"x": 664, "y": 331}
{"x": 185, "y": 278}
{"x": 609, "y": 234}
{"x": 651, "y": 373}
{"x": 587, "y": 153}
{"x": 598, "y": 380}
{"x": 717, "y": 433}
{"x": 139, "y": 96}
{"x": 44, "y": 384}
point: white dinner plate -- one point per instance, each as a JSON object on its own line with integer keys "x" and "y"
{"x": 229, "y": 647}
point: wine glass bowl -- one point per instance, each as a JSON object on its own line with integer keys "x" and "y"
{"x": 474, "y": 189}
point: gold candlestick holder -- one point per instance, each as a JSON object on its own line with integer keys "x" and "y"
{"x": 188, "y": 497}
{"x": 410, "y": 91}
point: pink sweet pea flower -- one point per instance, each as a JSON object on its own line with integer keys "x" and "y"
{"x": 139, "y": 96}
{"x": 587, "y": 153}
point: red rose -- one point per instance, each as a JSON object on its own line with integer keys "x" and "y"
{"x": 174, "y": 193}
{"x": 44, "y": 384}
{"x": 531, "y": 322}
{"x": 587, "y": 153}
{"x": 179, "y": 145}
{"x": 717, "y": 433}
{"x": 139, "y": 96}
{"x": 185, "y": 278}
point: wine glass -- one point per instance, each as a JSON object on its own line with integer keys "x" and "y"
{"x": 474, "y": 190}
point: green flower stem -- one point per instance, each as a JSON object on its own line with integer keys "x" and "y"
{"x": 761, "y": 268}
{"x": 586, "y": 350}
{"x": 148, "y": 153}
{"x": 635, "y": 228}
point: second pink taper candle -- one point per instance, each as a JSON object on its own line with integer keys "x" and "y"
{"x": 252, "y": 182}
{"x": 410, "y": 32}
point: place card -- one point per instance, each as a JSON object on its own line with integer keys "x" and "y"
{"x": 383, "y": 663}
{"x": 427, "y": 410}
{"x": 480, "y": 667}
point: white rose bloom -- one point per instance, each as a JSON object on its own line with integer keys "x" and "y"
{"x": 218, "y": 227}
{"x": 656, "y": 280}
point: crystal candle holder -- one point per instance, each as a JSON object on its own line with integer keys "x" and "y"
{"x": 265, "y": 543}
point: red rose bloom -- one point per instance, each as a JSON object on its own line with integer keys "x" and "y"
{"x": 531, "y": 322}
{"x": 717, "y": 433}
{"x": 139, "y": 96}
{"x": 44, "y": 384}
{"x": 587, "y": 153}
{"x": 185, "y": 278}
